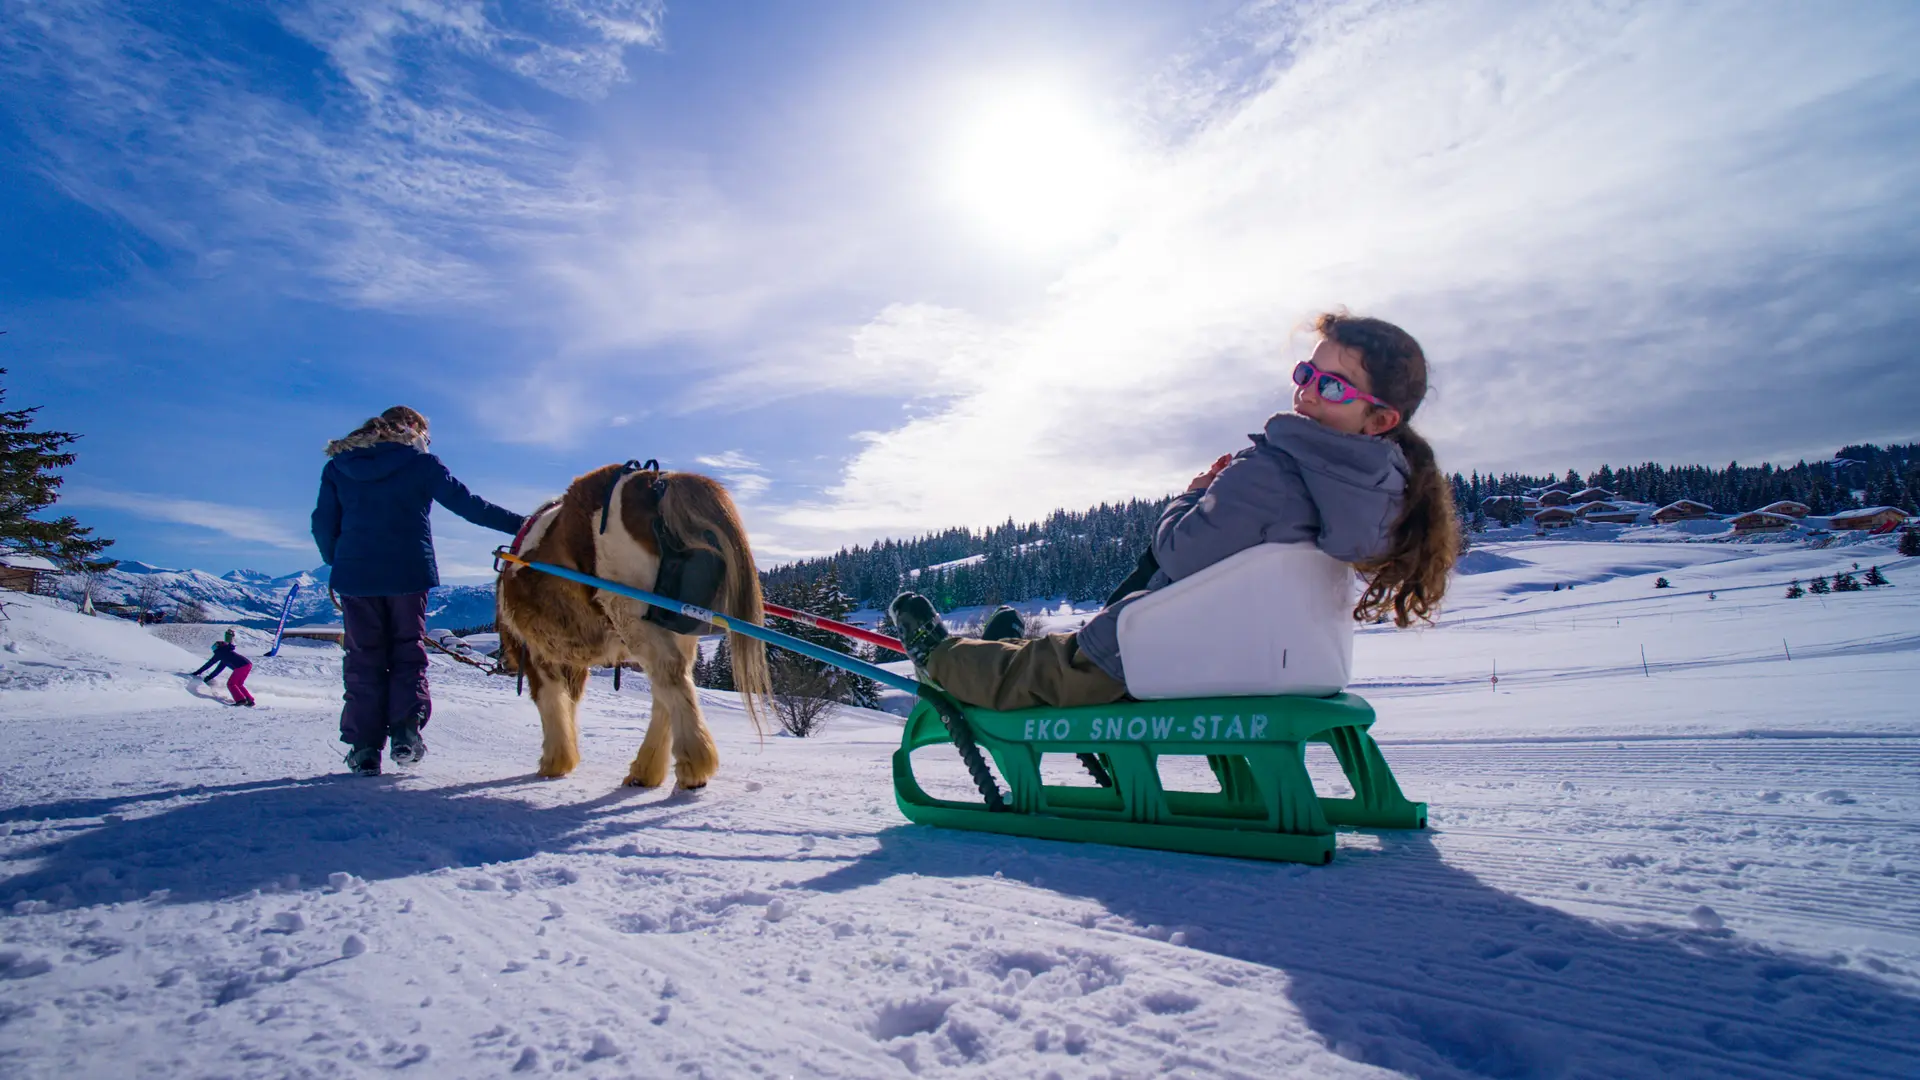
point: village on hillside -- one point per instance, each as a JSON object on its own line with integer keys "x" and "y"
{"x": 1556, "y": 507}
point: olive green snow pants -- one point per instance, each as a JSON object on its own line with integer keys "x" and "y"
{"x": 1004, "y": 675}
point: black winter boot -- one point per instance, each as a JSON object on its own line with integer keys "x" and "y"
{"x": 920, "y": 626}
{"x": 404, "y": 740}
{"x": 364, "y": 760}
{"x": 1005, "y": 624}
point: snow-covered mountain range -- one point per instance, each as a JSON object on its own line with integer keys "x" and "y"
{"x": 251, "y": 598}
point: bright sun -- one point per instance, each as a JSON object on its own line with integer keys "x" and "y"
{"x": 1035, "y": 168}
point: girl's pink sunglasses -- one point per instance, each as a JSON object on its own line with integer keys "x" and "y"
{"x": 1330, "y": 386}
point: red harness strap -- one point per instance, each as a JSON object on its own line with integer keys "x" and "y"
{"x": 527, "y": 525}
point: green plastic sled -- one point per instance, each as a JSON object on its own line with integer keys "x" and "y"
{"x": 1256, "y": 746}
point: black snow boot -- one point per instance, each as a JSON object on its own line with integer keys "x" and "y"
{"x": 364, "y": 760}
{"x": 404, "y": 740}
{"x": 920, "y": 626}
{"x": 1005, "y": 624}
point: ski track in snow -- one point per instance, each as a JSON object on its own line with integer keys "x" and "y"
{"x": 1709, "y": 868}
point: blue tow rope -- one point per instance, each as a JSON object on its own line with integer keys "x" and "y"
{"x": 739, "y": 626}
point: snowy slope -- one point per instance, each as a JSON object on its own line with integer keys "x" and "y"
{"x": 1707, "y": 868}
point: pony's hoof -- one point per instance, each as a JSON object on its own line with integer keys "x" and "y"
{"x": 693, "y": 787}
{"x": 635, "y": 781}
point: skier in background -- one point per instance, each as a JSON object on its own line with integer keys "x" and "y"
{"x": 372, "y": 526}
{"x": 225, "y": 657}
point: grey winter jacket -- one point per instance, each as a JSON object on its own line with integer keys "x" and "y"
{"x": 1298, "y": 481}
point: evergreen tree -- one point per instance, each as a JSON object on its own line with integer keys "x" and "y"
{"x": 1662, "y": 583}
{"x": 1818, "y": 586}
{"x": 1910, "y": 542}
{"x": 1794, "y": 591}
{"x": 820, "y": 596}
{"x": 720, "y": 668}
{"x": 1844, "y": 582}
{"x": 30, "y": 464}
{"x": 1875, "y": 577}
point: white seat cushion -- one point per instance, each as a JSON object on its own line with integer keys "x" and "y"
{"x": 1274, "y": 619}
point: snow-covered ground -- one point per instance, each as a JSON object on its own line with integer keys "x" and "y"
{"x": 1705, "y": 866}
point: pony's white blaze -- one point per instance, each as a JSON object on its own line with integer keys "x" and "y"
{"x": 621, "y": 558}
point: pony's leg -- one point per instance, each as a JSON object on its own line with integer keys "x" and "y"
{"x": 649, "y": 767}
{"x": 556, "y": 692}
{"x": 638, "y": 639}
{"x": 668, "y": 659}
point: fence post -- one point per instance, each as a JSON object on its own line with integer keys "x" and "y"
{"x": 1643, "y": 662}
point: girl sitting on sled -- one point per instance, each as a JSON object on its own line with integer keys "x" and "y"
{"x": 225, "y": 657}
{"x": 1343, "y": 470}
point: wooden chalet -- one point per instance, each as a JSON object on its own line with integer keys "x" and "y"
{"x": 1555, "y": 497}
{"x": 1788, "y": 507}
{"x": 1496, "y": 505}
{"x": 1591, "y": 495}
{"x": 1760, "y": 521}
{"x": 1870, "y": 517}
{"x": 1555, "y": 517}
{"x": 1681, "y": 510}
{"x": 1587, "y": 510}
{"x": 1612, "y": 517}
{"x": 34, "y": 574}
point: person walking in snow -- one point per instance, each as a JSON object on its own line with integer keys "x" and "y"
{"x": 1343, "y": 469}
{"x": 372, "y": 526}
{"x": 226, "y": 657}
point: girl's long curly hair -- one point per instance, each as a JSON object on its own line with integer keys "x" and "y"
{"x": 1409, "y": 578}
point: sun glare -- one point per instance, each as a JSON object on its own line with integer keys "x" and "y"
{"x": 1035, "y": 169}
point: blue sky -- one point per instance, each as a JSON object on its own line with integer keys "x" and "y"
{"x": 892, "y": 267}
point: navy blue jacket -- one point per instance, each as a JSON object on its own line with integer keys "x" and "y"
{"x": 224, "y": 656}
{"x": 372, "y": 518}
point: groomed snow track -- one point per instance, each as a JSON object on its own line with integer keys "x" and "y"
{"x": 1709, "y": 872}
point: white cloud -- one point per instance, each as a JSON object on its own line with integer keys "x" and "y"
{"x": 239, "y": 523}
{"x": 744, "y": 476}
{"x": 1618, "y": 231}
{"x": 730, "y": 459}
{"x": 387, "y": 175}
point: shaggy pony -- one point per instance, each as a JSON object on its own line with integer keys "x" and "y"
{"x": 555, "y": 629}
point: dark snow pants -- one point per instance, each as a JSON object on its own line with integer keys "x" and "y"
{"x": 386, "y": 665}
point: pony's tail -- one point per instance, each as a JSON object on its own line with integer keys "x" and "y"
{"x": 699, "y": 511}
{"x": 1411, "y": 577}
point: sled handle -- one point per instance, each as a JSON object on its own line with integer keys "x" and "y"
{"x": 845, "y": 630}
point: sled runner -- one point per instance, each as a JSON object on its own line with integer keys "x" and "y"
{"x": 1263, "y": 805}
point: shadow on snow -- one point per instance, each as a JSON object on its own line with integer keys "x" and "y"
{"x": 1398, "y": 959}
{"x": 260, "y": 834}
{"x": 1393, "y": 956}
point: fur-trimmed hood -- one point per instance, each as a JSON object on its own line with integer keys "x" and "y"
{"x": 374, "y": 434}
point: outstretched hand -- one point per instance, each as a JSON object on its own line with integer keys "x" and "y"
{"x": 1200, "y": 482}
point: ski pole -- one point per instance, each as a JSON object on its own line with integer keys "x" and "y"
{"x": 280, "y": 631}
{"x": 846, "y": 630}
{"x": 739, "y": 626}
